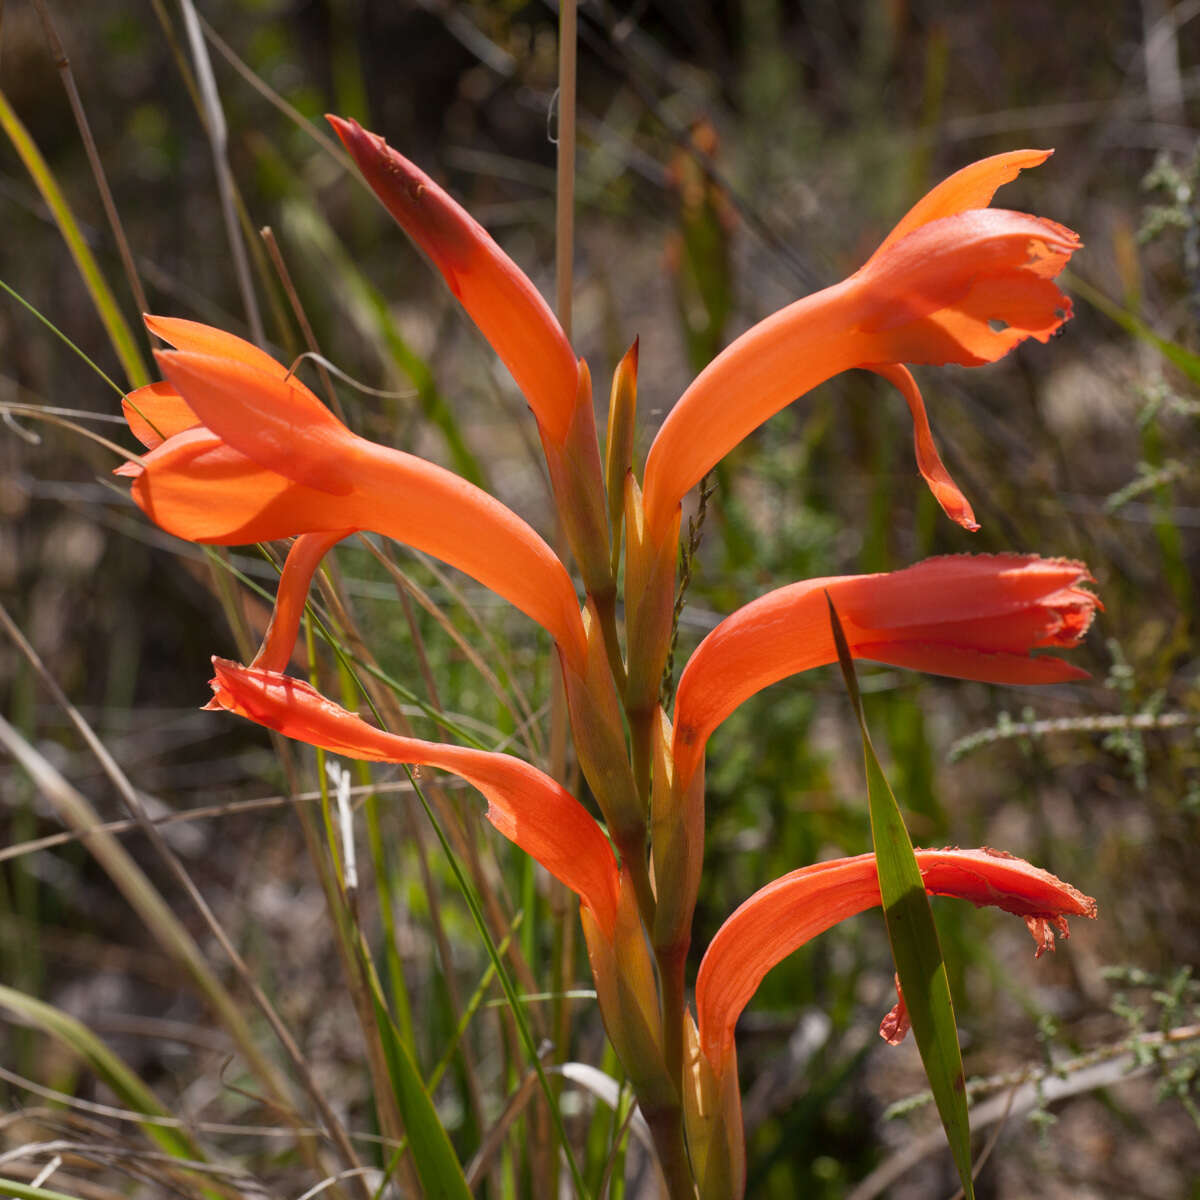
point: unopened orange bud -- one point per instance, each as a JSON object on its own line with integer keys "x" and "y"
{"x": 618, "y": 449}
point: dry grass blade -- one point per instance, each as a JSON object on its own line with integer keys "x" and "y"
{"x": 310, "y": 339}
{"x": 154, "y": 910}
{"x": 89, "y": 144}
{"x": 218, "y": 136}
{"x": 509, "y": 697}
{"x": 109, "y": 312}
{"x": 206, "y": 813}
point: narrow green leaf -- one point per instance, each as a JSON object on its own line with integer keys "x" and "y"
{"x": 107, "y": 1066}
{"x": 1186, "y": 360}
{"x": 913, "y": 936}
{"x": 437, "y": 1165}
{"x": 26, "y": 1191}
{"x": 119, "y": 334}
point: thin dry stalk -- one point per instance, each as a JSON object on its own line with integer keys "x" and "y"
{"x": 407, "y": 586}
{"x": 146, "y": 899}
{"x": 218, "y": 136}
{"x": 63, "y": 63}
{"x": 310, "y": 340}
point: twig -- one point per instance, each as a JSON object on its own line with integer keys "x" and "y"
{"x": 218, "y": 136}
{"x": 63, "y": 63}
{"x": 1093, "y": 724}
{"x": 1031, "y": 1088}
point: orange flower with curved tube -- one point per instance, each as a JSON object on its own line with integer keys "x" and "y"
{"x": 933, "y": 292}
{"x": 524, "y": 804}
{"x": 241, "y": 451}
{"x": 968, "y": 616}
{"x": 785, "y": 914}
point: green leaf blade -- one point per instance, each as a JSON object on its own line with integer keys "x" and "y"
{"x": 913, "y": 936}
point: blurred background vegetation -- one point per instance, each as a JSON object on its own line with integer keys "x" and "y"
{"x": 732, "y": 156}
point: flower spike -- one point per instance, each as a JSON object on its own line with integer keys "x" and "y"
{"x": 525, "y": 805}
{"x": 792, "y": 910}
{"x": 967, "y": 616}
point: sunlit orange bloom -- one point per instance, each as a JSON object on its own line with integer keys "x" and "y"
{"x": 954, "y": 282}
{"x": 790, "y": 911}
{"x": 496, "y": 293}
{"x": 968, "y": 616}
{"x": 250, "y": 454}
{"x": 524, "y": 804}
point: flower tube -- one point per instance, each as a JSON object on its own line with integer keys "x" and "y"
{"x": 787, "y": 913}
{"x": 524, "y": 804}
{"x": 954, "y": 282}
{"x": 241, "y": 451}
{"x": 967, "y": 616}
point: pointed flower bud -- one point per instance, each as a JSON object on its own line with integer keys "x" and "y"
{"x": 498, "y": 296}
{"x": 618, "y": 445}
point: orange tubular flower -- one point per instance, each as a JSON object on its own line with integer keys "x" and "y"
{"x": 949, "y": 273}
{"x": 510, "y": 312}
{"x": 499, "y": 297}
{"x": 526, "y": 806}
{"x": 241, "y": 451}
{"x": 790, "y": 911}
{"x": 968, "y": 616}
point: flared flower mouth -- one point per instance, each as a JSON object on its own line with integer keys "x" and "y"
{"x": 955, "y": 282}
{"x": 967, "y": 616}
{"x": 242, "y": 451}
{"x": 789, "y": 912}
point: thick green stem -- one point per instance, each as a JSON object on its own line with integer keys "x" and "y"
{"x": 606, "y": 610}
{"x": 641, "y": 732}
{"x": 671, "y": 962}
{"x": 666, "y": 1127}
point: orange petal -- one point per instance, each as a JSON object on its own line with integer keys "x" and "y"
{"x": 929, "y": 462}
{"x": 197, "y": 487}
{"x": 155, "y": 412}
{"x": 208, "y": 339}
{"x": 754, "y": 377}
{"x": 963, "y": 272}
{"x": 303, "y": 558}
{"x": 271, "y": 418}
{"x": 967, "y": 616}
{"x": 497, "y": 294}
{"x": 787, "y": 913}
{"x": 434, "y": 510}
{"x": 200, "y": 489}
{"x": 971, "y": 187}
{"x": 525, "y": 805}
